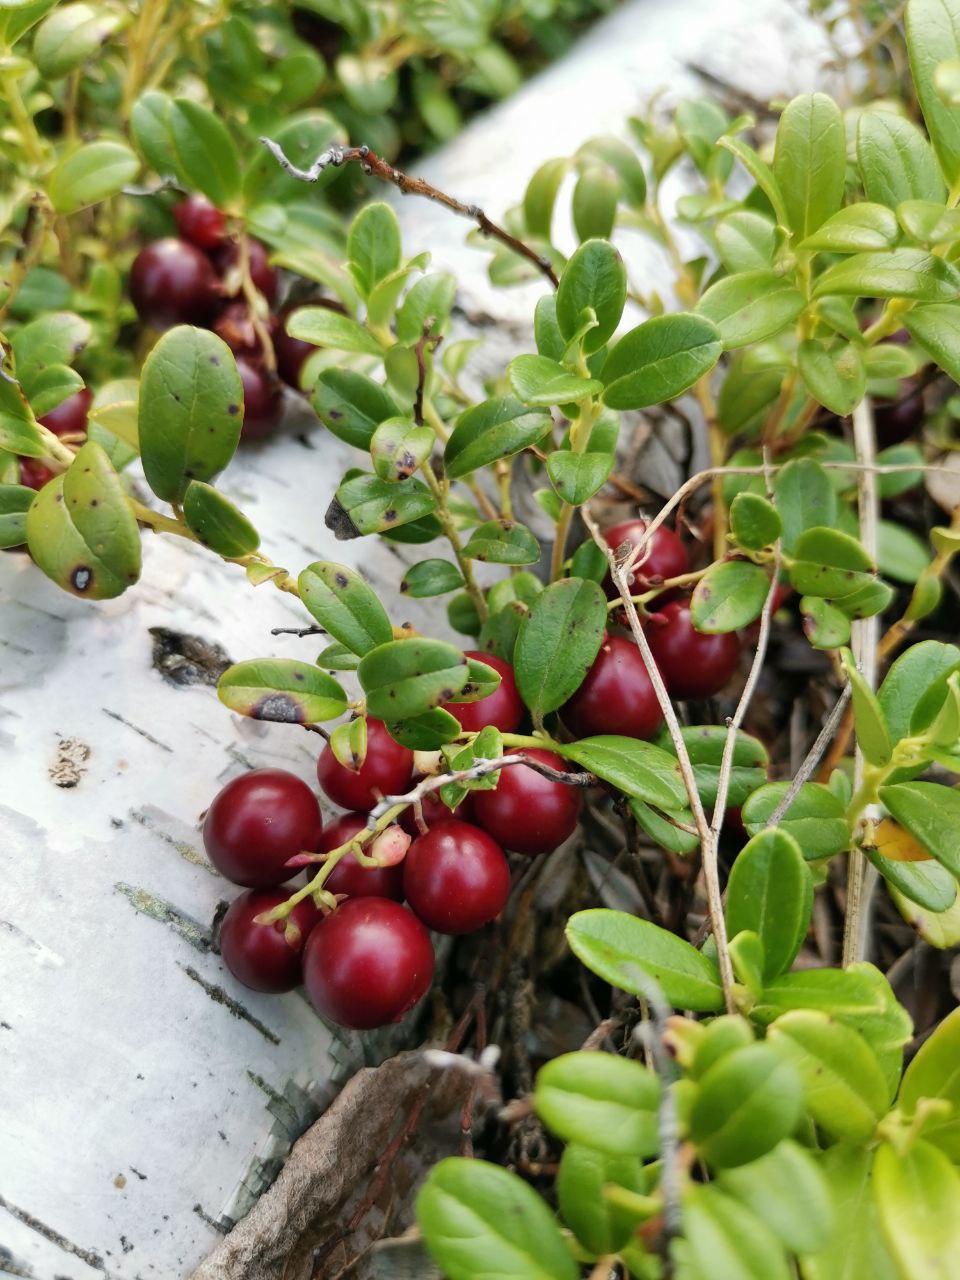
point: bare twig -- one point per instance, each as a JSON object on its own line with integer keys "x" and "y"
{"x": 376, "y": 167}
{"x": 812, "y": 759}
{"x": 299, "y": 632}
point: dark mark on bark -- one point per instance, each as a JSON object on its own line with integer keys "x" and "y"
{"x": 211, "y": 1222}
{"x": 148, "y": 904}
{"x": 184, "y": 659}
{"x": 55, "y": 1237}
{"x": 114, "y": 715}
{"x": 338, "y": 521}
{"x": 219, "y": 996}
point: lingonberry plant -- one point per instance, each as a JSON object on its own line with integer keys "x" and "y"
{"x": 776, "y": 1131}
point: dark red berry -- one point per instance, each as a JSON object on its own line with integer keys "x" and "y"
{"x": 262, "y": 399}
{"x": 386, "y": 770}
{"x": 348, "y": 876}
{"x": 898, "y": 420}
{"x": 234, "y": 325}
{"x": 528, "y": 812}
{"x": 456, "y": 878}
{"x": 266, "y": 957}
{"x": 34, "y": 474}
{"x": 172, "y": 282}
{"x": 368, "y": 963}
{"x": 261, "y": 273}
{"x": 502, "y": 708}
{"x": 200, "y": 222}
{"x": 617, "y": 695}
{"x": 292, "y": 355}
{"x": 693, "y": 665}
{"x": 69, "y": 418}
{"x": 257, "y": 822}
{"x": 432, "y": 811}
{"x": 666, "y": 556}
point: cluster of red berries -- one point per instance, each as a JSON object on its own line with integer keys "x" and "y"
{"x": 371, "y": 959}
{"x": 191, "y": 279}
{"x": 68, "y": 419}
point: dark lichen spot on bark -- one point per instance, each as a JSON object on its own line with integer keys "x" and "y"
{"x": 281, "y": 707}
{"x": 338, "y": 521}
{"x": 185, "y": 659}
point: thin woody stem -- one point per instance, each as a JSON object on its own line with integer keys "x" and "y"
{"x": 376, "y": 167}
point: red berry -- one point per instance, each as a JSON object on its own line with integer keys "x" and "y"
{"x": 433, "y": 810}
{"x": 617, "y": 695}
{"x": 292, "y": 355}
{"x": 257, "y": 822}
{"x": 693, "y": 664}
{"x": 69, "y": 418}
{"x": 171, "y": 282}
{"x": 898, "y": 420}
{"x": 200, "y": 222}
{"x": 386, "y": 770}
{"x": 262, "y": 399}
{"x": 456, "y": 878}
{"x": 368, "y": 963}
{"x": 261, "y": 273}
{"x": 235, "y": 326}
{"x": 502, "y": 708}
{"x": 348, "y": 876}
{"x": 528, "y": 812}
{"x": 34, "y": 474}
{"x": 666, "y": 556}
{"x": 260, "y": 955}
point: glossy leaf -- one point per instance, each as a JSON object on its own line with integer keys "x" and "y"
{"x": 933, "y": 36}
{"x": 345, "y": 605}
{"x": 351, "y": 405}
{"x": 600, "y": 1226}
{"x": 729, "y": 596}
{"x": 935, "y": 1073}
{"x": 490, "y": 430}
{"x": 937, "y": 329}
{"x": 502, "y": 542}
{"x": 206, "y": 155}
{"x": 805, "y": 498}
{"x": 927, "y": 884}
{"x": 15, "y": 500}
{"x": 373, "y": 245}
{"x": 326, "y": 328}
{"x": 426, "y": 731}
{"x": 754, "y": 521}
{"x": 836, "y": 377}
{"x": 578, "y": 476}
{"x": 639, "y": 769}
{"x": 594, "y": 204}
{"x": 539, "y": 381}
{"x": 541, "y": 196}
{"x": 398, "y": 447}
{"x": 899, "y": 273}
{"x": 283, "y": 690}
{"x": 430, "y": 578}
{"x": 872, "y": 732}
{"x": 659, "y": 359}
{"x": 829, "y": 563}
{"x": 558, "y": 642}
{"x": 91, "y": 174}
{"x": 855, "y": 229}
{"x": 770, "y": 891}
{"x": 824, "y": 625}
{"x": 761, "y": 173}
{"x": 56, "y": 338}
{"x": 931, "y": 813}
{"x": 601, "y": 1101}
{"x": 722, "y": 1238}
{"x": 217, "y": 522}
{"x": 746, "y": 241}
{"x": 787, "y": 1190}
{"x": 901, "y": 554}
{"x": 916, "y": 1193}
{"x": 706, "y": 745}
{"x": 746, "y": 1103}
{"x": 366, "y": 504}
{"x": 594, "y": 278}
{"x": 896, "y": 160}
{"x": 855, "y": 1250}
{"x": 809, "y": 161}
{"x": 750, "y": 306}
{"x": 816, "y": 818}
{"x": 403, "y": 678}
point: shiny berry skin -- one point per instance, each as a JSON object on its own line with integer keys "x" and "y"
{"x": 235, "y": 326}
{"x": 368, "y": 963}
{"x": 348, "y": 876}
{"x": 667, "y": 556}
{"x": 69, "y": 418}
{"x": 259, "y": 955}
{"x": 616, "y": 697}
{"x": 693, "y": 665}
{"x": 257, "y": 822}
{"x": 528, "y": 812}
{"x": 898, "y": 420}
{"x": 386, "y": 770}
{"x": 34, "y": 474}
{"x": 172, "y": 282}
{"x": 432, "y": 811}
{"x": 292, "y": 355}
{"x": 200, "y": 222}
{"x": 455, "y": 878}
{"x": 502, "y": 708}
{"x": 261, "y": 273}
{"x": 262, "y": 399}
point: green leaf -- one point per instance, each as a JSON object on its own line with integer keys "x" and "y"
{"x": 901, "y": 554}
{"x": 373, "y": 246}
{"x": 594, "y": 278}
{"x": 56, "y": 338}
{"x": 729, "y": 596}
{"x": 18, "y": 16}
{"x": 337, "y": 657}
{"x": 49, "y": 387}
{"x": 428, "y": 731}
{"x": 846, "y": 1092}
{"x": 898, "y": 273}
{"x": 855, "y": 229}
{"x": 217, "y": 522}
{"x": 640, "y": 769}
{"x": 430, "y": 300}
{"x": 927, "y": 884}
{"x": 206, "y": 155}
{"x": 761, "y": 173}
{"x": 869, "y": 598}
{"x": 345, "y": 605}
{"x": 816, "y": 818}
{"x": 490, "y": 430}
{"x": 659, "y": 359}
{"x": 430, "y": 578}
{"x": 190, "y": 410}
{"x": 810, "y": 161}
{"x": 770, "y": 892}
{"x": 805, "y": 498}
{"x": 502, "y": 542}
{"x": 754, "y": 521}
{"x": 941, "y": 929}
{"x": 929, "y": 221}
{"x": 746, "y": 241}
{"x": 403, "y": 678}
{"x": 19, "y": 432}
{"x": 829, "y": 563}
{"x": 913, "y": 680}
{"x": 366, "y": 504}
{"x": 558, "y": 642}
{"x": 601, "y": 1227}
{"x": 724, "y": 1239}
{"x": 541, "y": 196}
{"x": 351, "y": 405}
{"x": 933, "y": 36}
{"x": 326, "y": 328}
{"x": 281, "y": 689}
{"x": 15, "y": 500}
{"x": 931, "y": 813}
{"x": 750, "y": 306}
{"x": 786, "y": 1190}
{"x": 81, "y": 530}
{"x": 855, "y": 1250}
{"x": 94, "y": 172}
{"x": 825, "y": 626}
{"x": 896, "y": 161}
{"x": 873, "y": 734}
{"x": 937, "y": 329}
{"x": 594, "y": 205}
{"x": 747, "y": 1102}
{"x": 916, "y": 1193}
{"x": 150, "y": 126}
{"x": 614, "y": 945}
{"x": 384, "y": 296}
{"x": 746, "y": 393}
{"x": 835, "y": 376}
{"x": 622, "y": 159}
{"x": 705, "y": 746}
{"x": 398, "y": 447}
{"x": 578, "y": 476}
{"x": 935, "y": 1073}
{"x": 602, "y": 1101}
{"x": 662, "y": 831}
{"x": 481, "y": 1222}
{"x": 539, "y": 381}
